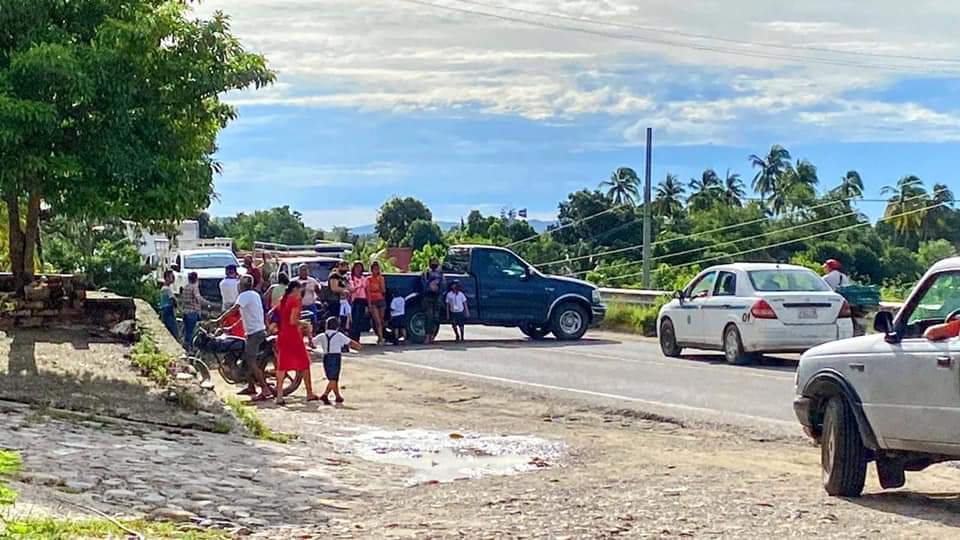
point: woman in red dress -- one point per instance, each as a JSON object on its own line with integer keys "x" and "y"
{"x": 291, "y": 352}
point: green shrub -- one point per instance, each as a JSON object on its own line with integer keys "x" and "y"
{"x": 632, "y": 318}
{"x": 153, "y": 363}
{"x": 9, "y": 464}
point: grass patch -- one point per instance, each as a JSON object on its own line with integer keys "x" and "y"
{"x": 62, "y": 529}
{"x": 153, "y": 363}
{"x": 248, "y": 416}
{"x": 633, "y": 319}
{"x": 9, "y": 464}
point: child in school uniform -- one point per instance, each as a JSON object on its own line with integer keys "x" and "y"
{"x": 334, "y": 342}
{"x": 398, "y": 318}
{"x": 346, "y": 312}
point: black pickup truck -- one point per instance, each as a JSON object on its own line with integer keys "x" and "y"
{"x": 504, "y": 290}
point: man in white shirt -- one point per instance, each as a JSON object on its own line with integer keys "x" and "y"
{"x": 229, "y": 288}
{"x": 310, "y": 288}
{"x": 457, "y": 309}
{"x": 834, "y": 277}
{"x": 250, "y": 305}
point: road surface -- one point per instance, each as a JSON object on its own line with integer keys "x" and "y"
{"x": 609, "y": 369}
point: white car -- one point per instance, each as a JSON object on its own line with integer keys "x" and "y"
{"x": 747, "y": 309}
{"x": 892, "y": 397}
{"x": 210, "y": 265}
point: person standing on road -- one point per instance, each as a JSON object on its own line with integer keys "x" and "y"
{"x": 334, "y": 343}
{"x": 291, "y": 352}
{"x": 457, "y": 309}
{"x": 250, "y": 307}
{"x": 309, "y": 288}
{"x": 229, "y": 287}
{"x": 192, "y": 302}
{"x": 273, "y": 295}
{"x": 168, "y": 304}
{"x": 398, "y": 320}
{"x": 358, "y": 298}
{"x": 833, "y": 276}
{"x": 377, "y": 298}
{"x": 432, "y": 283}
{"x": 253, "y": 270}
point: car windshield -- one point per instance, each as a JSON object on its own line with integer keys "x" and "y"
{"x": 787, "y": 280}
{"x": 209, "y": 260}
{"x": 318, "y": 270}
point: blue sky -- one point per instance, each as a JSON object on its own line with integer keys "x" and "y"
{"x": 381, "y": 98}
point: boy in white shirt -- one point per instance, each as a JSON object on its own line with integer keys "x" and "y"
{"x": 346, "y": 311}
{"x": 457, "y": 309}
{"x": 334, "y": 342}
{"x": 398, "y": 319}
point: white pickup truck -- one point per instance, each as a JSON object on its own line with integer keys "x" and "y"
{"x": 892, "y": 397}
{"x": 209, "y": 264}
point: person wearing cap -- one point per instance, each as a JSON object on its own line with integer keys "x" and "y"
{"x": 833, "y": 276}
{"x": 457, "y": 309}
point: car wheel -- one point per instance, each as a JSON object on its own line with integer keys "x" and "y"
{"x": 733, "y": 348}
{"x": 842, "y": 454}
{"x": 890, "y": 472}
{"x": 668, "y": 339}
{"x": 417, "y": 325}
{"x": 569, "y": 322}
{"x": 534, "y": 331}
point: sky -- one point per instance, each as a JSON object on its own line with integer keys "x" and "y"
{"x": 376, "y": 98}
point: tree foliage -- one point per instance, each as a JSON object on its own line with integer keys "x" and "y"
{"x": 422, "y": 233}
{"x": 277, "y": 225}
{"x": 112, "y": 109}
{"x": 397, "y": 215}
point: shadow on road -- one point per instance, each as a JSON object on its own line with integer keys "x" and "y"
{"x": 935, "y": 507}
{"x": 767, "y": 363}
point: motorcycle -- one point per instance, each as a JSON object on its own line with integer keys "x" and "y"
{"x": 226, "y": 352}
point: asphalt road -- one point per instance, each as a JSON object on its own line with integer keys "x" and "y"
{"x": 606, "y": 368}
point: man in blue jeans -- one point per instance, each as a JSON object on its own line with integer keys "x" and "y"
{"x": 168, "y": 304}
{"x": 192, "y": 303}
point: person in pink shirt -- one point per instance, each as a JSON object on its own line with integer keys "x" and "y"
{"x": 358, "y": 298}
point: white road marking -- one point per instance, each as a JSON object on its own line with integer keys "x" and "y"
{"x": 688, "y": 408}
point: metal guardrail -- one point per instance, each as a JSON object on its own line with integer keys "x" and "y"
{"x": 648, "y": 298}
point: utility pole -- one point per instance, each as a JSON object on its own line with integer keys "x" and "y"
{"x": 646, "y": 212}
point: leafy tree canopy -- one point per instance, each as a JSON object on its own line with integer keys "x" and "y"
{"x": 397, "y": 215}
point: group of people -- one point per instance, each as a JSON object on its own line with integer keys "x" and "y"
{"x": 293, "y": 309}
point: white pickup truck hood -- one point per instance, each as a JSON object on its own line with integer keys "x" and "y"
{"x": 857, "y": 345}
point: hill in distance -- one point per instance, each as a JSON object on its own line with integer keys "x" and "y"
{"x": 537, "y": 225}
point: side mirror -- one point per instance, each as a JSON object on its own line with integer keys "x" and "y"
{"x": 679, "y": 296}
{"x": 883, "y": 322}
{"x": 526, "y": 274}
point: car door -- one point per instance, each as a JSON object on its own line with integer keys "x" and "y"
{"x": 508, "y": 291}
{"x": 911, "y": 389}
{"x": 720, "y": 308}
{"x": 689, "y": 323}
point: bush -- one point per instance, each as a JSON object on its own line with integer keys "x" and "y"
{"x": 900, "y": 264}
{"x": 634, "y": 319}
{"x": 934, "y": 251}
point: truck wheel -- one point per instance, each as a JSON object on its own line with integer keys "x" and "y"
{"x": 733, "y": 348}
{"x": 569, "y": 322}
{"x": 842, "y": 454}
{"x": 890, "y": 473}
{"x": 668, "y": 339}
{"x": 534, "y": 331}
{"x": 417, "y": 325}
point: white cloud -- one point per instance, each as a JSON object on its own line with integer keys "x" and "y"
{"x": 397, "y": 56}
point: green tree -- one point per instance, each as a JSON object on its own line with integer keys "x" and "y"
{"x": 851, "y": 186}
{"x": 733, "y": 192}
{"x": 420, "y": 260}
{"x": 795, "y": 188}
{"x": 395, "y": 217}
{"x": 277, "y": 225}
{"x": 771, "y": 167}
{"x": 623, "y": 187}
{"x": 900, "y": 264}
{"x": 422, "y": 233}
{"x": 669, "y": 199}
{"x": 936, "y": 250}
{"x": 905, "y": 209}
{"x": 111, "y": 109}
{"x": 706, "y": 191}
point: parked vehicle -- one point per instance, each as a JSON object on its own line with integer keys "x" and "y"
{"x": 209, "y": 264}
{"x": 504, "y": 290}
{"x": 891, "y": 397}
{"x": 749, "y": 309}
{"x": 226, "y": 353}
{"x": 319, "y": 268}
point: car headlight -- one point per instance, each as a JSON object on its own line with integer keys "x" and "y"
{"x": 596, "y": 296}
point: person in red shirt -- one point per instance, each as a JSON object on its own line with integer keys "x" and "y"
{"x": 253, "y": 271}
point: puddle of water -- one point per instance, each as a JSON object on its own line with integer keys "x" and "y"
{"x": 437, "y": 456}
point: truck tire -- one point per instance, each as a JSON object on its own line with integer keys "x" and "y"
{"x": 842, "y": 454}
{"x": 733, "y": 348}
{"x": 416, "y": 325}
{"x": 569, "y": 322}
{"x": 533, "y": 331}
{"x": 668, "y": 339}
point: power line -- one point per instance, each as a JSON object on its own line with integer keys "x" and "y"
{"x": 714, "y": 49}
{"x": 566, "y": 225}
{"x": 772, "y": 45}
{"x": 787, "y": 242}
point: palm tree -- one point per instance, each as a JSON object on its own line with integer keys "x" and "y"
{"x": 908, "y": 197}
{"x": 733, "y": 192}
{"x": 851, "y": 187}
{"x": 795, "y": 188}
{"x": 706, "y": 190}
{"x": 669, "y": 201}
{"x": 623, "y": 187}
{"x": 771, "y": 168}
{"x": 934, "y": 219}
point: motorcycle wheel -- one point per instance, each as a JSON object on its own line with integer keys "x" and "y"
{"x": 228, "y": 375}
{"x": 291, "y": 381}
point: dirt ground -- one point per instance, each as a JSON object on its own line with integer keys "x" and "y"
{"x": 623, "y": 475}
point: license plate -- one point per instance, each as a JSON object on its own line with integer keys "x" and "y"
{"x": 808, "y": 314}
